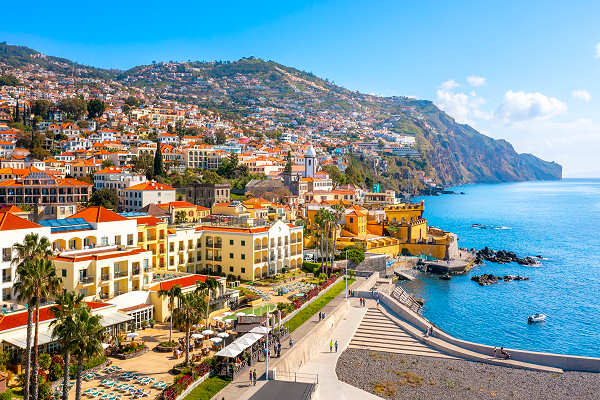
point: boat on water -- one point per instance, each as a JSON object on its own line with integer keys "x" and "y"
{"x": 536, "y": 318}
{"x": 445, "y": 277}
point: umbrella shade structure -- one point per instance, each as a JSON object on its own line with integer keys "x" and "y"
{"x": 227, "y": 313}
{"x": 250, "y": 315}
{"x": 240, "y": 314}
{"x": 248, "y": 339}
{"x": 230, "y": 351}
{"x": 133, "y": 335}
{"x": 207, "y": 332}
{"x": 261, "y": 330}
{"x": 197, "y": 335}
{"x": 218, "y": 318}
{"x": 223, "y": 334}
{"x": 216, "y": 340}
{"x": 105, "y": 346}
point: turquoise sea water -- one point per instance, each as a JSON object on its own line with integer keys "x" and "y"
{"x": 559, "y": 220}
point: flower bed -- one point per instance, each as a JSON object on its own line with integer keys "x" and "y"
{"x": 166, "y": 347}
{"x": 131, "y": 352}
{"x": 183, "y": 382}
{"x": 313, "y": 292}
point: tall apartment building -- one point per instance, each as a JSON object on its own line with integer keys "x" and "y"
{"x": 207, "y": 194}
{"x": 118, "y": 179}
{"x": 203, "y": 156}
{"x": 151, "y": 192}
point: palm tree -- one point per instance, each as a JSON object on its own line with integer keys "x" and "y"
{"x": 211, "y": 283}
{"x": 63, "y": 326}
{"x": 338, "y": 214}
{"x": 187, "y": 314}
{"x": 320, "y": 221}
{"x": 173, "y": 293}
{"x": 45, "y": 283}
{"x": 87, "y": 342}
{"x": 24, "y": 290}
{"x": 32, "y": 248}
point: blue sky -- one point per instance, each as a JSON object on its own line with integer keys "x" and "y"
{"x": 523, "y": 71}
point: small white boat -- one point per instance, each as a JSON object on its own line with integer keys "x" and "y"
{"x": 536, "y": 318}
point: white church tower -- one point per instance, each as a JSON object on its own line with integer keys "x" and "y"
{"x": 310, "y": 163}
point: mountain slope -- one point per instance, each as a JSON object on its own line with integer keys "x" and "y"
{"x": 454, "y": 153}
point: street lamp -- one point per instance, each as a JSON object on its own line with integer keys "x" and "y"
{"x": 346, "y": 274}
{"x": 267, "y": 344}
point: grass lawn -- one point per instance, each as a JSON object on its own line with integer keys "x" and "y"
{"x": 207, "y": 389}
{"x": 316, "y": 305}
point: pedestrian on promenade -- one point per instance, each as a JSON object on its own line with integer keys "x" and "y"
{"x": 378, "y": 302}
{"x": 331, "y": 345}
{"x": 278, "y": 350}
{"x": 319, "y": 316}
{"x": 336, "y": 345}
{"x": 254, "y": 377}
{"x": 495, "y": 351}
{"x": 291, "y": 342}
{"x": 250, "y": 373}
{"x": 323, "y": 315}
{"x": 426, "y": 335}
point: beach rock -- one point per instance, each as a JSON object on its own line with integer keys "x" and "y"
{"x": 502, "y": 257}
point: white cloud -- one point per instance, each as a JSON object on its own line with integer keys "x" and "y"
{"x": 462, "y": 107}
{"x": 598, "y": 50}
{"x": 581, "y": 95}
{"x": 475, "y": 80}
{"x": 522, "y": 106}
{"x": 449, "y": 85}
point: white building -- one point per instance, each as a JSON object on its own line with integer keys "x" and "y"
{"x": 118, "y": 179}
{"x": 151, "y": 192}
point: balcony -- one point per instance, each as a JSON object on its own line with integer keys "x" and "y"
{"x": 85, "y": 280}
{"x": 120, "y": 274}
{"x": 105, "y": 277}
{"x": 134, "y": 272}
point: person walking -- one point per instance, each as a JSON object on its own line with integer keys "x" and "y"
{"x": 331, "y": 345}
{"x": 254, "y": 376}
{"x": 250, "y": 373}
{"x": 336, "y": 345}
{"x": 291, "y": 342}
{"x": 319, "y": 316}
{"x": 278, "y": 350}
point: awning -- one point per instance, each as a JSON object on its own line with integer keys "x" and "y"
{"x": 230, "y": 351}
{"x": 20, "y": 339}
{"x": 111, "y": 318}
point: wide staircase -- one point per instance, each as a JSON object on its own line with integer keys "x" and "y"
{"x": 379, "y": 333}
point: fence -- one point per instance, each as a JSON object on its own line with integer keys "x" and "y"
{"x": 407, "y": 299}
{"x": 290, "y": 376}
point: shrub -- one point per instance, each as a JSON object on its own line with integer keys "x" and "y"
{"x": 45, "y": 360}
{"x": 354, "y": 254}
{"x": 6, "y": 395}
{"x": 56, "y": 372}
{"x": 168, "y": 344}
{"x": 310, "y": 267}
{"x": 405, "y": 252}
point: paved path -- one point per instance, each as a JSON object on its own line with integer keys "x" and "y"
{"x": 240, "y": 388}
{"x": 324, "y": 364}
{"x": 379, "y": 333}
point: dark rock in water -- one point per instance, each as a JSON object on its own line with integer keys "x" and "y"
{"x": 502, "y": 257}
{"x": 490, "y": 279}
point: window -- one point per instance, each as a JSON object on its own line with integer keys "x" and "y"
{"x": 104, "y": 241}
{"x": 6, "y": 254}
{"x": 118, "y": 240}
{"x": 243, "y": 270}
{"x": 231, "y": 242}
{"x": 243, "y": 242}
{"x": 243, "y": 256}
{"x": 130, "y": 239}
{"x": 230, "y": 255}
{"x": 230, "y": 269}
{"x": 63, "y": 272}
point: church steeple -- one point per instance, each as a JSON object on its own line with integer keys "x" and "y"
{"x": 310, "y": 163}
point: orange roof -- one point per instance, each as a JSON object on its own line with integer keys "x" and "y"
{"x": 19, "y": 319}
{"x": 98, "y": 214}
{"x": 150, "y": 221}
{"x": 109, "y": 170}
{"x": 176, "y": 204}
{"x": 150, "y": 185}
{"x": 183, "y": 282}
{"x": 9, "y": 222}
{"x": 11, "y": 209}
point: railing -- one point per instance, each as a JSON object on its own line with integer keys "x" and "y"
{"x": 407, "y": 299}
{"x": 104, "y": 277}
{"x": 86, "y": 279}
{"x": 135, "y": 271}
{"x": 303, "y": 377}
{"x": 120, "y": 274}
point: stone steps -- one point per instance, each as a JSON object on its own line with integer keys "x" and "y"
{"x": 378, "y": 332}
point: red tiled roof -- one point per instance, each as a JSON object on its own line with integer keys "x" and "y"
{"x": 98, "y": 214}
{"x": 9, "y": 222}
{"x": 19, "y": 319}
{"x": 183, "y": 282}
{"x": 150, "y": 221}
{"x": 176, "y": 204}
{"x": 151, "y": 185}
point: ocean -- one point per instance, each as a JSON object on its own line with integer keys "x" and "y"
{"x": 559, "y": 220}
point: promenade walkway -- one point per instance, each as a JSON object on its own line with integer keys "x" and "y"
{"x": 241, "y": 389}
{"x": 324, "y": 364}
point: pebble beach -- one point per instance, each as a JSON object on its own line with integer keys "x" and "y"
{"x": 399, "y": 376}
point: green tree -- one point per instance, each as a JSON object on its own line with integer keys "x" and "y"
{"x": 158, "y": 162}
{"x": 74, "y": 107}
{"x": 106, "y": 198}
{"x": 32, "y": 249}
{"x": 187, "y": 314}
{"x": 336, "y": 176}
{"x": 132, "y": 101}
{"x": 288, "y": 163}
{"x": 174, "y": 292}
{"x": 354, "y": 254}
{"x": 107, "y": 163}
{"x": 95, "y": 108}
{"x": 210, "y": 176}
{"x": 180, "y": 217}
{"x": 88, "y": 341}
{"x": 338, "y": 213}
{"x": 41, "y": 108}
{"x": 143, "y": 164}
{"x": 63, "y": 329}
{"x": 220, "y": 136}
{"x": 8, "y": 80}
